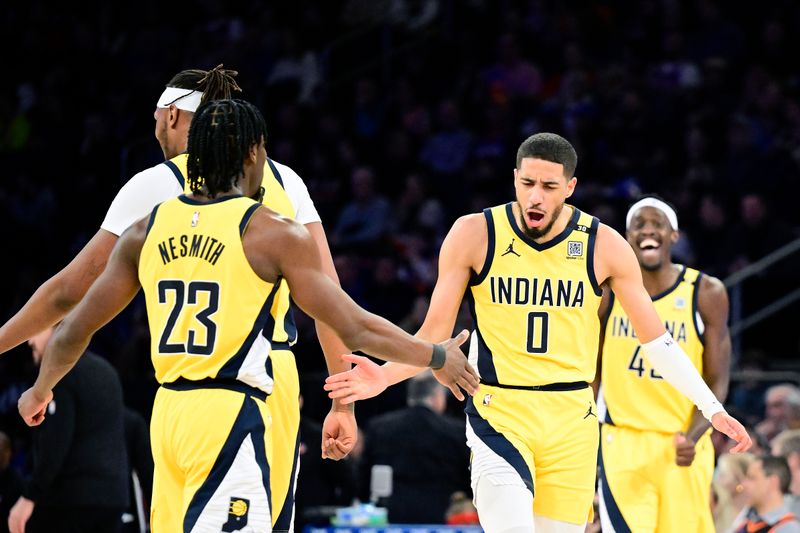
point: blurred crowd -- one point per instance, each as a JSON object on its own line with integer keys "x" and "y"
{"x": 402, "y": 115}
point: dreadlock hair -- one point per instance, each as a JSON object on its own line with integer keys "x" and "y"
{"x": 550, "y": 147}
{"x": 220, "y": 137}
{"x": 215, "y": 84}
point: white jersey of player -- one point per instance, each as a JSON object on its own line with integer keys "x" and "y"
{"x": 145, "y": 190}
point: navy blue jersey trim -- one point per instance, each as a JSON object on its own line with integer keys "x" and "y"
{"x": 183, "y": 384}
{"x": 246, "y": 217}
{"x": 573, "y": 221}
{"x": 152, "y": 219}
{"x": 590, "y": 259}
{"x": 264, "y": 322}
{"x": 486, "y": 367}
{"x": 487, "y": 263}
{"x": 178, "y": 174}
{"x": 191, "y": 201}
{"x": 695, "y": 308}
{"x": 673, "y": 287}
{"x": 275, "y": 172}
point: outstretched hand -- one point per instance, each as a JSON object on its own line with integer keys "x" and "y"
{"x": 365, "y": 380}
{"x": 457, "y": 372}
{"x": 725, "y": 423}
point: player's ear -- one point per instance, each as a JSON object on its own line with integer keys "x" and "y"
{"x": 172, "y": 115}
{"x": 674, "y": 236}
{"x": 252, "y": 154}
{"x": 571, "y": 185}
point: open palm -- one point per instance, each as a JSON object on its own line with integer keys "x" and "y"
{"x": 364, "y": 380}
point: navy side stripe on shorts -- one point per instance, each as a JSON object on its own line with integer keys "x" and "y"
{"x": 614, "y": 514}
{"x": 248, "y": 423}
{"x": 499, "y": 444}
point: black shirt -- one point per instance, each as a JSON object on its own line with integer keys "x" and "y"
{"x": 79, "y": 453}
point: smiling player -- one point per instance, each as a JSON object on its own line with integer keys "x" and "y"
{"x": 657, "y": 459}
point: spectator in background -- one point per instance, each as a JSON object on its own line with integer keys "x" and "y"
{"x": 782, "y": 410}
{"x": 447, "y": 150}
{"x": 728, "y": 488}
{"x": 79, "y": 481}
{"x": 426, "y": 451}
{"x": 766, "y": 484}
{"x": 365, "y": 219}
{"x": 757, "y": 232}
{"x": 387, "y": 294}
{"x": 787, "y": 445}
{"x": 10, "y": 482}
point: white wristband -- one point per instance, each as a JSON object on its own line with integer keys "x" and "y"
{"x": 674, "y": 365}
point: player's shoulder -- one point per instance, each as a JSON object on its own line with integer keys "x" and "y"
{"x": 158, "y": 181}
{"x": 710, "y": 285}
{"x": 160, "y": 172}
{"x": 473, "y": 222}
{"x": 287, "y": 173}
{"x": 265, "y": 219}
{"x": 609, "y": 240}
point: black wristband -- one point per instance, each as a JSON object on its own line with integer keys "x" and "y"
{"x": 438, "y": 357}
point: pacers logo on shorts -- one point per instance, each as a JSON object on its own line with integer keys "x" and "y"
{"x": 237, "y": 514}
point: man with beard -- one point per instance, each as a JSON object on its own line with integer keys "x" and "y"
{"x": 657, "y": 459}
{"x": 533, "y": 271}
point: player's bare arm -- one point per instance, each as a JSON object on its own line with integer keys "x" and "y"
{"x": 109, "y": 295}
{"x": 332, "y": 346}
{"x": 712, "y": 304}
{"x": 339, "y": 429}
{"x": 616, "y": 263}
{"x": 59, "y": 294}
{"x": 276, "y": 246}
{"x": 462, "y": 253}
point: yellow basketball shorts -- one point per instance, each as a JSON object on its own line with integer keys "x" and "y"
{"x": 284, "y": 406}
{"x": 643, "y": 490}
{"x": 545, "y": 441}
{"x": 211, "y": 452}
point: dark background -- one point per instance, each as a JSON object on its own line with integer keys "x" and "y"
{"x": 694, "y": 100}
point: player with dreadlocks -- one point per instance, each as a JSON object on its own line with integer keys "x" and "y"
{"x": 55, "y": 297}
{"x": 210, "y": 264}
{"x": 286, "y": 194}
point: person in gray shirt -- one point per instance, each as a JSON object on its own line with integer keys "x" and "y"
{"x": 766, "y": 486}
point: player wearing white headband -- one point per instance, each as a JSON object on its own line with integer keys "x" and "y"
{"x": 533, "y": 269}
{"x": 286, "y": 194}
{"x": 657, "y": 459}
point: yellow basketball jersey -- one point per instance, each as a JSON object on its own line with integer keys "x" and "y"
{"x": 276, "y": 198}
{"x": 535, "y": 305}
{"x": 635, "y": 396}
{"x": 205, "y": 304}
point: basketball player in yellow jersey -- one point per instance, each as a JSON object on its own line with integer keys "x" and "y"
{"x": 280, "y": 193}
{"x": 657, "y": 459}
{"x": 533, "y": 271}
{"x": 286, "y": 194}
{"x": 210, "y": 264}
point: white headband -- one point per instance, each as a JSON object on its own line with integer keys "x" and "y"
{"x": 185, "y": 99}
{"x": 658, "y": 204}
